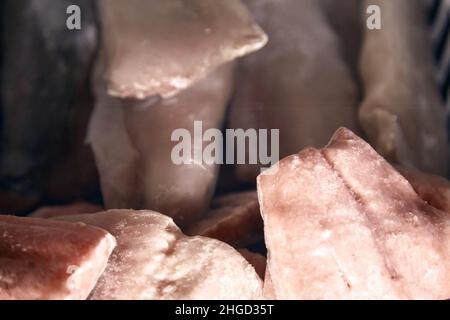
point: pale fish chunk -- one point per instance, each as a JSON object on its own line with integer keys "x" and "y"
{"x": 341, "y": 223}
{"x": 155, "y": 260}
{"x": 161, "y": 47}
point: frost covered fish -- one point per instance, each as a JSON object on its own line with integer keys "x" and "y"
{"x": 46, "y": 259}
{"x": 341, "y": 223}
{"x": 155, "y": 260}
{"x": 161, "y": 47}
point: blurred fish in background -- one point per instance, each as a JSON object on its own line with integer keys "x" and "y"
{"x": 46, "y": 103}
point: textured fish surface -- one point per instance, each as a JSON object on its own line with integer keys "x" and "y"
{"x": 132, "y": 141}
{"x": 342, "y": 223}
{"x": 160, "y": 47}
{"x": 155, "y": 260}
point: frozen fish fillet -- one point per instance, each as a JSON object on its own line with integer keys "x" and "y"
{"x": 341, "y": 223}
{"x": 67, "y": 210}
{"x": 434, "y": 190}
{"x": 160, "y": 47}
{"x": 402, "y": 113}
{"x": 46, "y": 259}
{"x": 154, "y": 260}
{"x": 116, "y": 157}
{"x": 298, "y": 83}
{"x": 132, "y": 141}
{"x": 234, "y": 219}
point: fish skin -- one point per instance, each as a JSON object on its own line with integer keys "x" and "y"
{"x": 402, "y": 112}
{"x": 45, "y": 67}
{"x": 298, "y": 83}
{"x": 43, "y": 259}
{"x": 162, "y": 47}
{"x": 233, "y": 218}
{"x": 334, "y": 231}
{"x": 155, "y": 260}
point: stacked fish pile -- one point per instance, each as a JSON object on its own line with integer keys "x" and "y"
{"x": 93, "y": 111}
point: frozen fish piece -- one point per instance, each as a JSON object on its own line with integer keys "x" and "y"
{"x": 256, "y": 260}
{"x": 233, "y": 218}
{"x": 402, "y": 113}
{"x": 67, "y": 210}
{"x": 154, "y": 260}
{"x": 341, "y": 223}
{"x": 161, "y": 47}
{"x": 132, "y": 141}
{"x": 44, "y": 70}
{"x": 298, "y": 83}
{"x": 434, "y": 190}
{"x": 182, "y": 191}
{"x": 115, "y": 155}
{"x": 46, "y": 259}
